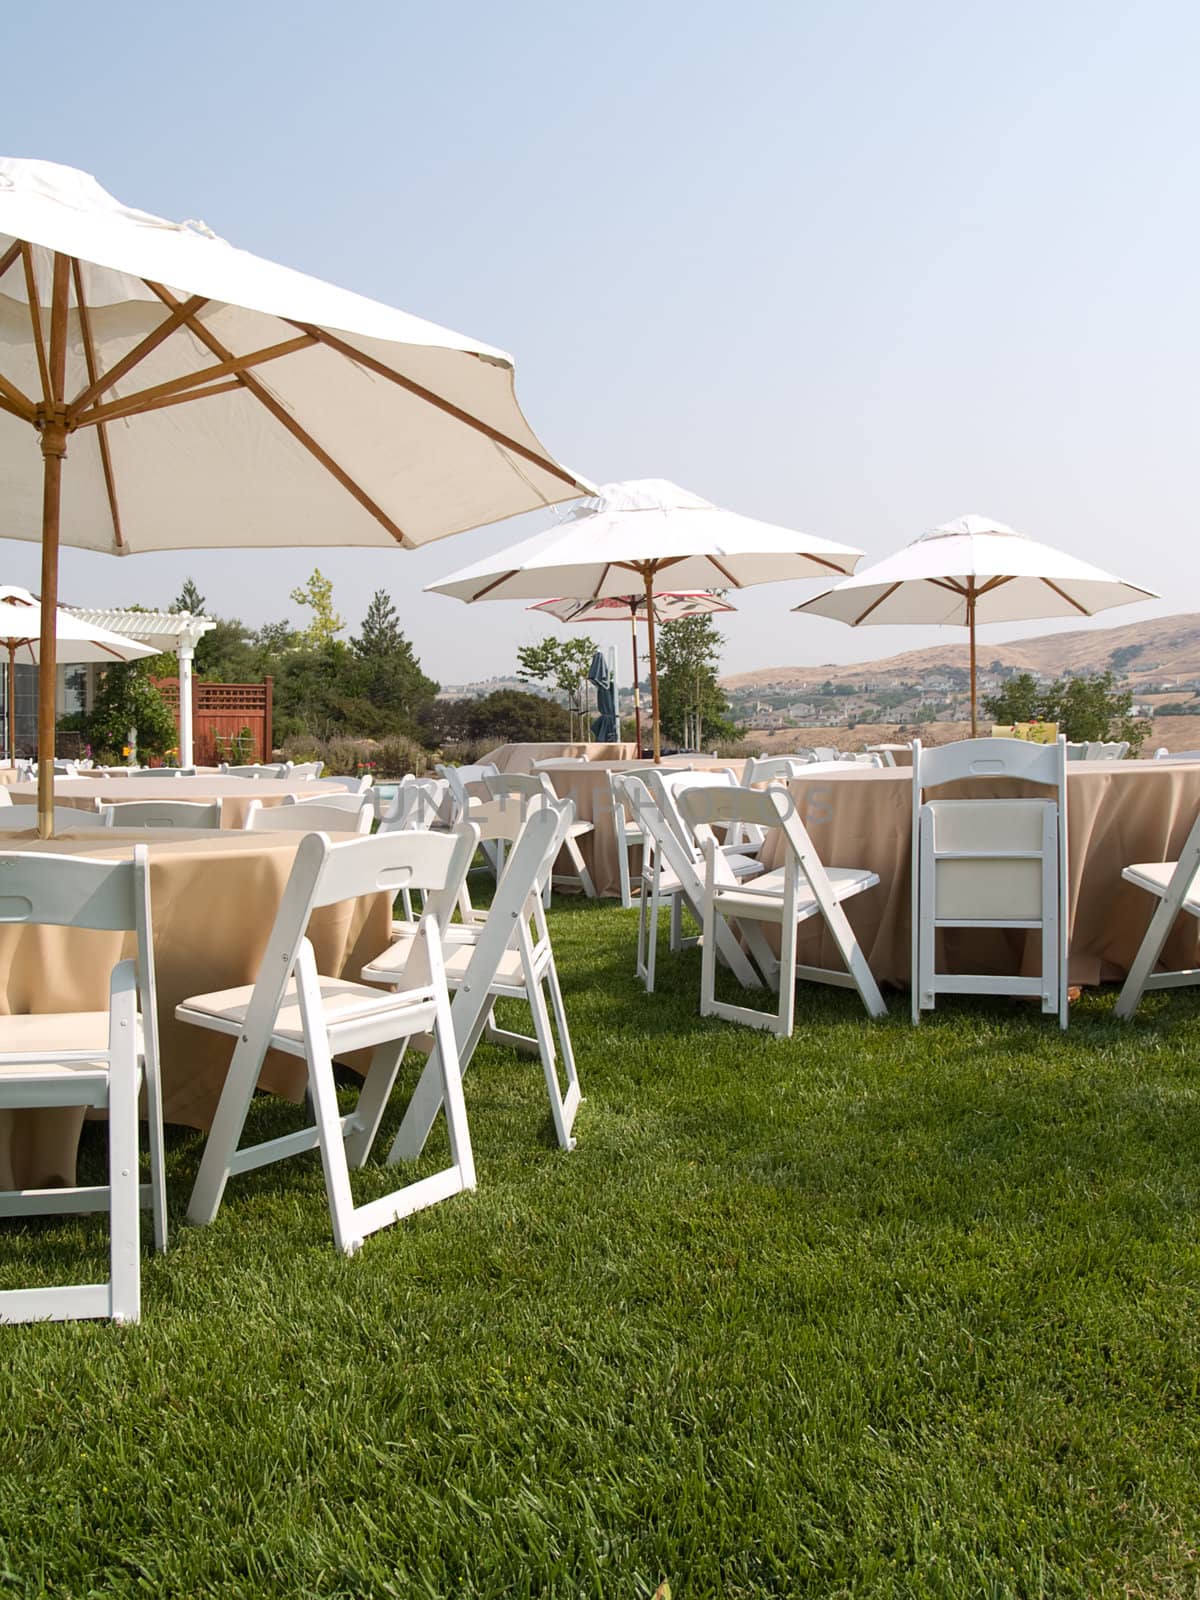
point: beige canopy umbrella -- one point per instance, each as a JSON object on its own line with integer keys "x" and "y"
{"x": 969, "y": 571}
{"x": 669, "y": 606}
{"x": 648, "y": 527}
{"x": 78, "y": 642}
{"x": 210, "y": 398}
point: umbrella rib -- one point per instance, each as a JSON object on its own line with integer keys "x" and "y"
{"x": 886, "y": 595}
{"x": 25, "y": 413}
{"x": 35, "y": 317}
{"x": 143, "y": 400}
{"x": 182, "y": 313}
{"x": 286, "y": 420}
{"x": 89, "y": 356}
{"x": 1001, "y": 577}
{"x": 948, "y": 583}
{"x": 495, "y": 584}
{"x": 725, "y": 573}
{"x": 457, "y": 412}
{"x": 1062, "y": 595}
{"x": 600, "y": 585}
{"x": 117, "y": 411}
{"x": 9, "y": 256}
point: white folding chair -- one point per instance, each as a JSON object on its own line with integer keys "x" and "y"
{"x": 293, "y": 1008}
{"x": 491, "y": 965}
{"x": 163, "y": 814}
{"x": 673, "y": 871}
{"x": 255, "y": 770}
{"x": 802, "y": 888}
{"x": 531, "y": 789}
{"x": 337, "y": 800}
{"x": 457, "y": 780}
{"x": 1163, "y": 754}
{"x": 774, "y": 769}
{"x": 990, "y": 863}
{"x": 67, "y": 818}
{"x": 1176, "y": 887}
{"x": 630, "y": 836}
{"x": 525, "y": 970}
{"x": 308, "y": 816}
{"x": 89, "y": 1058}
{"x": 307, "y": 770}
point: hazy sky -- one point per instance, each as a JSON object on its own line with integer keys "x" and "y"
{"x": 852, "y": 267}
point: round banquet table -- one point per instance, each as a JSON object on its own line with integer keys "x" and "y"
{"x": 587, "y": 786}
{"x": 235, "y": 794}
{"x": 521, "y": 757}
{"x": 1118, "y": 812}
{"x": 213, "y": 898}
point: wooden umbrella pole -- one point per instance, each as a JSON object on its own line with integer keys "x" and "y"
{"x": 54, "y": 449}
{"x": 971, "y": 626}
{"x": 648, "y": 575}
{"x": 637, "y": 693}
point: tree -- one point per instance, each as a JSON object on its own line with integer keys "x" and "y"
{"x": 1089, "y": 706}
{"x": 227, "y": 654}
{"x": 127, "y": 701}
{"x": 189, "y": 599}
{"x": 563, "y": 663}
{"x": 384, "y": 670}
{"x": 513, "y": 716}
{"x": 317, "y": 596}
{"x": 692, "y": 704}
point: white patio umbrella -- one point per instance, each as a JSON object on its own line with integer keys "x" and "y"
{"x": 78, "y": 643}
{"x": 970, "y": 571}
{"x": 667, "y": 607}
{"x": 210, "y": 398}
{"x": 648, "y": 527}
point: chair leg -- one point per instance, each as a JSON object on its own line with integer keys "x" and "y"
{"x": 446, "y": 1048}
{"x": 574, "y": 1094}
{"x": 581, "y": 872}
{"x": 124, "y": 1196}
{"x": 330, "y": 1139}
{"x": 158, "y": 1157}
{"x": 372, "y": 1100}
{"x": 1146, "y": 959}
{"x": 708, "y": 958}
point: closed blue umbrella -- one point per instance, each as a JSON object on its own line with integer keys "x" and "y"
{"x": 605, "y": 728}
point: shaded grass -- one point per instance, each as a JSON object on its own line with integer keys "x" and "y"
{"x": 877, "y": 1311}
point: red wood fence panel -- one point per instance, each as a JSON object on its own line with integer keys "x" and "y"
{"x": 237, "y": 713}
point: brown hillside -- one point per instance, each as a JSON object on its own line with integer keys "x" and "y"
{"x": 1169, "y": 648}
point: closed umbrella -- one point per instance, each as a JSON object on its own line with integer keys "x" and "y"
{"x": 207, "y": 397}
{"x": 78, "y": 642}
{"x": 648, "y": 527}
{"x": 970, "y": 571}
{"x": 668, "y": 607}
{"x": 605, "y": 726}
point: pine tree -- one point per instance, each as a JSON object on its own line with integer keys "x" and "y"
{"x": 317, "y": 595}
{"x": 189, "y": 599}
{"x": 380, "y": 628}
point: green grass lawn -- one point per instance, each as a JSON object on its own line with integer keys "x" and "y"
{"x": 875, "y": 1312}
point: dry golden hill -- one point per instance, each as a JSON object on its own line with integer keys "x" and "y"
{"x": 1162, "y": 648}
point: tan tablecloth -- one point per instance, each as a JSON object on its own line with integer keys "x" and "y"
{"x": 213, "y": 898}
{"x": 520, "y": 757}
{"x": 235, "y": 794}
{"x": 1118, "y": 812}
{"x": 588, "y": 788}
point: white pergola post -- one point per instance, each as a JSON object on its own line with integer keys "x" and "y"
{"x": 187, "y": 649}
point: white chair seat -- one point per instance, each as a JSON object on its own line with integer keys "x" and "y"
{"x": 342, "y": 1001}
{"x": 389, "y": 966}
{"x": 1155, "y": 877}
{"x": 764, "y": 901}
{"x": 68, "y": 1038}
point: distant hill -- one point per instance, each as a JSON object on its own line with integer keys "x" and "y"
{"x": 1142, "y": 653}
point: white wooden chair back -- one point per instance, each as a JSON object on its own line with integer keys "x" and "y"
{"x": 162, "y": 814}
{"x": 667, "y": 786}
{"x": 13, "y": 818}
{"x": 307, "y": 771}
{"x": 255, "y": 770}
{"x": 773, "y": 769}
{"x": 308, "y": 817}
{"x": 990, "y": 862}
{"x": 459, "y": 777}
{"x": 358, "y": 785}
{"x": 1163, "y": 754}
{"x": 418, "y": 803}
{"x": 109, "y": 897}
{"x": 335, "y": 800}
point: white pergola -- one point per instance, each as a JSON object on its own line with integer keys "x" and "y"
{"x": 177, "y": 632}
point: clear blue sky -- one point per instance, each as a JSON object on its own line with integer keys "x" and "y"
{"x": 852, "y": 266}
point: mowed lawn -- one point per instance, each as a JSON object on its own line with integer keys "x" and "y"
{"x": 875, "y": 1312}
